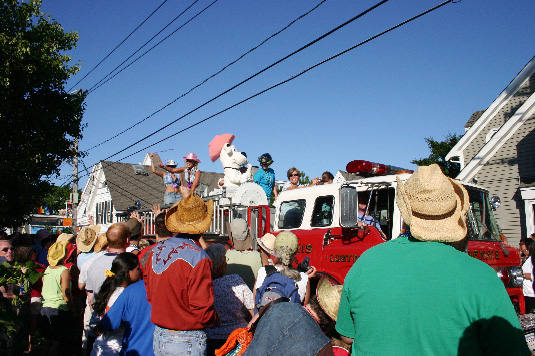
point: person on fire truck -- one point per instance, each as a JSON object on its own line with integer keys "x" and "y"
{"x": 364, "y": 217}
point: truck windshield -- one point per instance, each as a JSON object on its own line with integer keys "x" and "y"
{"x": 481, "y": 222}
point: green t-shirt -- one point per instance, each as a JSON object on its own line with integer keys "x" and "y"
{"x": 245, "y": 264}
{"x": 408, "y": 297}
{"x": 51, "y": 292}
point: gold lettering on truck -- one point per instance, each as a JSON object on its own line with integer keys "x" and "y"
{"x": 343, "y": 258}
{"x": 304, "y": 248}
{"x": 485, "y": 254}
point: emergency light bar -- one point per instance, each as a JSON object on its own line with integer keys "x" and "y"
{"x": 371, "y": 168}
{"x": 360, "y": 166}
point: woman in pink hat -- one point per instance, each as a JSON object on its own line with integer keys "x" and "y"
{"x": 192, "y": 174}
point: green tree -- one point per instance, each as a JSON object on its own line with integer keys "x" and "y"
{"x": 56, "y": 198}
{"x": 439, "y": 150}
{"x": 40, "y": 120}
{"x": 304, "y": 179}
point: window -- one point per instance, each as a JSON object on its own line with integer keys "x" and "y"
{"x": 291, "y": 214}
{"x": 481, "y": 222}
{"x": 104, "y": 213}
{"x": 323, "y": 211}
{"x": 380, "y": 208}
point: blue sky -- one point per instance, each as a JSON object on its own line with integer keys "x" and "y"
{"x": 377, "y": 102}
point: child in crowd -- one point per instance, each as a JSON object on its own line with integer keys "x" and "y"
{"x": 124, "y": 271}
{"x": 58, "y": 303}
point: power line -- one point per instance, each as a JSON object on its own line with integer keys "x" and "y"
{"x": 212, "y": 76}
{"x": 113, "y": 50}
{"x": 104, "y": 80}
{"x": 298, "y": 74}
{"x": 256, "y": 74}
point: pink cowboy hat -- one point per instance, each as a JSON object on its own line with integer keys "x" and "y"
{"x": 192, "y": 157}
{"x": 217, "y": 144}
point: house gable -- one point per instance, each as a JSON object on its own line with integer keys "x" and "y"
{"x": 497, "y": 114}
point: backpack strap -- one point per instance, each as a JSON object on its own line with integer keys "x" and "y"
{"x": 295, "y": 290}
{"x": 270, "y": 270}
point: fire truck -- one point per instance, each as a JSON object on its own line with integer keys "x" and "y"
{"x": 325, "y": 220}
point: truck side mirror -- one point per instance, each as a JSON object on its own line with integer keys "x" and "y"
{"x": 348, "y": 206}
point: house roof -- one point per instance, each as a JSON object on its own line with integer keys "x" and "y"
{"x": 126, "y": 187}
{"x": 514, "y": 120}
{"x": 475, "y": 116}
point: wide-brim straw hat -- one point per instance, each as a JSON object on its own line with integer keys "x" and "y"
{"x": 102, "y": 243}
{"x": 433, "y": 205}
{"x": 64, "y": 237}
{"x": 267, "y": 242}
{"x": 56, "y": 252}
{"x": 191, "y": 215}
{"x": 329, "y": 297}
{"x": 87, "y": 237}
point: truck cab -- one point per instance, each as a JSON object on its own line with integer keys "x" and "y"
{"x": 327, "y": 223}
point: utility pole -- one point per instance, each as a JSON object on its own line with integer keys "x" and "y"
{"x": 74, "y": 198}
{"x": 74, "y": 195}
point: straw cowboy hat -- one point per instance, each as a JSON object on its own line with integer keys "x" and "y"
{"x": 171, "y": 163}
{"x": 433, "y": 205}
{"x": 102, "y": 243}
{"x": 64, "y": 237}
{"x": 191, "y": 215}
{"x": 87, "y": 237}
{"x": 329, "y": 297}
{"x": 267, "y": 242}
{"x": 58, "y": 251}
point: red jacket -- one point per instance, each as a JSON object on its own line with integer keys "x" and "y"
{"x": 179, "y": 287}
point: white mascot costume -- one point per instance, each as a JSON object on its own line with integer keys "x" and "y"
{"x": 232, "y": 160}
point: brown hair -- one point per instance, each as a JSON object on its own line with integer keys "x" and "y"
{"x": 159, "y": 226}
{"x": 23, "y": 254}
{"x": 326, "y": 176}
{"x": 291, "y": 170}
{"x": 323, "y": 318}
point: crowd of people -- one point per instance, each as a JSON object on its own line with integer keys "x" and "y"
{"x": 105, "y": 293}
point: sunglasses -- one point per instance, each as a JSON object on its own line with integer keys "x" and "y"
{"x": 295, "y": 175}
{"x": 5, "y": 249}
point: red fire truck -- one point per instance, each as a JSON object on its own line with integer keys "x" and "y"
{"x": 324, "y": 218}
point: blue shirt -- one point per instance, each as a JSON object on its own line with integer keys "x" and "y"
{"x": 132, "y": 308}
{"x": 368, "y": 219}
{"x": 83, "y": 257}
{"x": 266, "y": 179}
